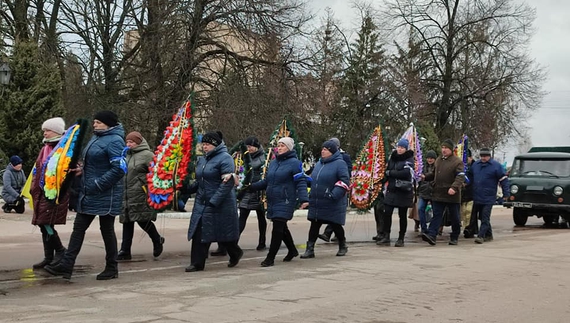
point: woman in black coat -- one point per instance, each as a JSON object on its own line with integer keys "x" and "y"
{"x": 251, "y": 200}
{"x": 399, "y": 193}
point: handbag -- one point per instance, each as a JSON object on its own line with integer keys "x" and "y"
{"x": 404, "y": 185}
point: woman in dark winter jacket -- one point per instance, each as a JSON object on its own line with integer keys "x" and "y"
{"x": 135, "y": 205}
{"x": 101, "y": 194}
{"x": 48, "y": 214}
{"x": 14, "y": 180}
{"x": 399, "y": 193}
{"x": 251, "y": 200}
{"x": 327, "y": 202}
{"x": 214, "y": 216}
{"x": 285, "y": 185}
{"x": 425, "y": 189}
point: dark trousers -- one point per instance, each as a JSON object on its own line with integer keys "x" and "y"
{"x": 453, "y": 213}
{"x": 280, "y": 233}
{"x": 129, "y": 232}
{"x": 379, "y": 218}
{"x": 316, "y": 227}
{"x": 261, "y": 222}
{"x": 483, "y": 211}
{"x": 402, "y": 213}
{"x": 80, "y": 226}
{"x": 199, "y": 249}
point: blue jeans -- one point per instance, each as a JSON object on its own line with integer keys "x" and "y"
{"x": 422, "y": 205}
{"x": 453, "y": 213}
{"x": 483, "y": 211}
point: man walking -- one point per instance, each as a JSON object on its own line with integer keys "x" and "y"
{"x": 487, "y": 175}
{"x": 448, "y": 177}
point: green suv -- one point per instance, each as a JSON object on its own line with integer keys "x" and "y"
{"x": 540, "y": 186}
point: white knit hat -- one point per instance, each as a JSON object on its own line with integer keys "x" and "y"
{"x": 287, "y": 141}
{"x": 56, "y": 125}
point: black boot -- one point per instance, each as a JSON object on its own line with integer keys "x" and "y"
{"x": 399, "y": 243}
{"x": 48, "y": 254}
{"x": 325, "y": 237}
{"x": 124, "y": 255}
{"x": 110, "y": 272}
{"x": 385, "y": 241}
{"x": 309, "y": 251}
{"x": 291, "y": 249}
{"x": 157, "y": 247}
{"x": 58, "y": 247}
{"x": 342, "y": 247}
{"x": 268, "y": 262}
{"x": 59, "y": 270}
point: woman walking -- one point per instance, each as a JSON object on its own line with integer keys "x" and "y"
{"x": 327, "y": 203}
{"x": 214, "y": 216}
{"x": 251, "y": 201}
{"x": 135, "y": 207}
{"x": 101, "y": 194}
{"x": 399, "y": 193}
{"x": 285, "y": 185}
{"x": 48, "y": 214}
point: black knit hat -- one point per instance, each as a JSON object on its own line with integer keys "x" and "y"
{"x": 213, "y": 137}
{"x": 330, "y": 146}
{"x": 448, "y": 143}
{"x": 107, "y": 117}
{"x": 431, "y": 154}
{"x": 485, "y": 152}
{"x": 252, "y": 141}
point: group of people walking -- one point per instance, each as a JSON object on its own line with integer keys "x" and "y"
{"x": 113, "y": 183}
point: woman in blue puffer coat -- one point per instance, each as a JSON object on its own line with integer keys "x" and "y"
{"x": 327, "y": 203}
{"x": 101, "y": 194}
{"x": 214, "y": 216}
{"x": 285, "y": 185}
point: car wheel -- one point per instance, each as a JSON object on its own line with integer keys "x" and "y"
{"x": 519, "y": 217}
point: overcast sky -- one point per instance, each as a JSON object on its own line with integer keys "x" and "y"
{"x": 550, "y": 47}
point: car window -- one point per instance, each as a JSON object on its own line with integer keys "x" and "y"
{"x": 541, "y": 167}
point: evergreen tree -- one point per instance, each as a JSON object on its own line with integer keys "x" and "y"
{"x": 33, "y": 95}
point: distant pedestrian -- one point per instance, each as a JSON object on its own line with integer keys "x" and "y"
{"x": 285, "y": 186}
{"x": 471, "y": 225}
{"x": 14, "y": 180}
{"x": 214, "y": 215}
{"x": 399, "y": 192}
{"x": 425, "y": 189}
{"x": 251, "y": 201}
{"x": 487, "y": 174}
{"x": 135, "y": 204}
{"x": 46, "y": 213}
{"x": 448, "y": 177}
{"x": 326, "y": 236}
{"x": 327, "y": 201}
{"x": 101, "y": 194}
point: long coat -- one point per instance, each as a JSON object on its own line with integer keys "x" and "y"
{"x": 215, "y": 202}
{"x": 14, "y": 181}
{"x": 251, "y": 200}
{"x": 330, "y": 181}
{"x": 46, "y": 212}
{"x": 135, "y": 204}
{"x": 399, "y": 167}
{"x": 448, "y": 173}
{"x": 101, "y": 181}
{"x": 285, "y": 185}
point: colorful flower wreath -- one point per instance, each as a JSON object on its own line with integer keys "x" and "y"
{"x": 169, "y": 167}
{"x": 368, "y": 171}
{"x": 56, "y": 179}
{"x": 242, "y": 163}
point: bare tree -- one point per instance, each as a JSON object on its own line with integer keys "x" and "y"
{"x": 476, "y": 48}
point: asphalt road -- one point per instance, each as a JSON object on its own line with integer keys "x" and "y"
{"x": 522, "y": 276}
